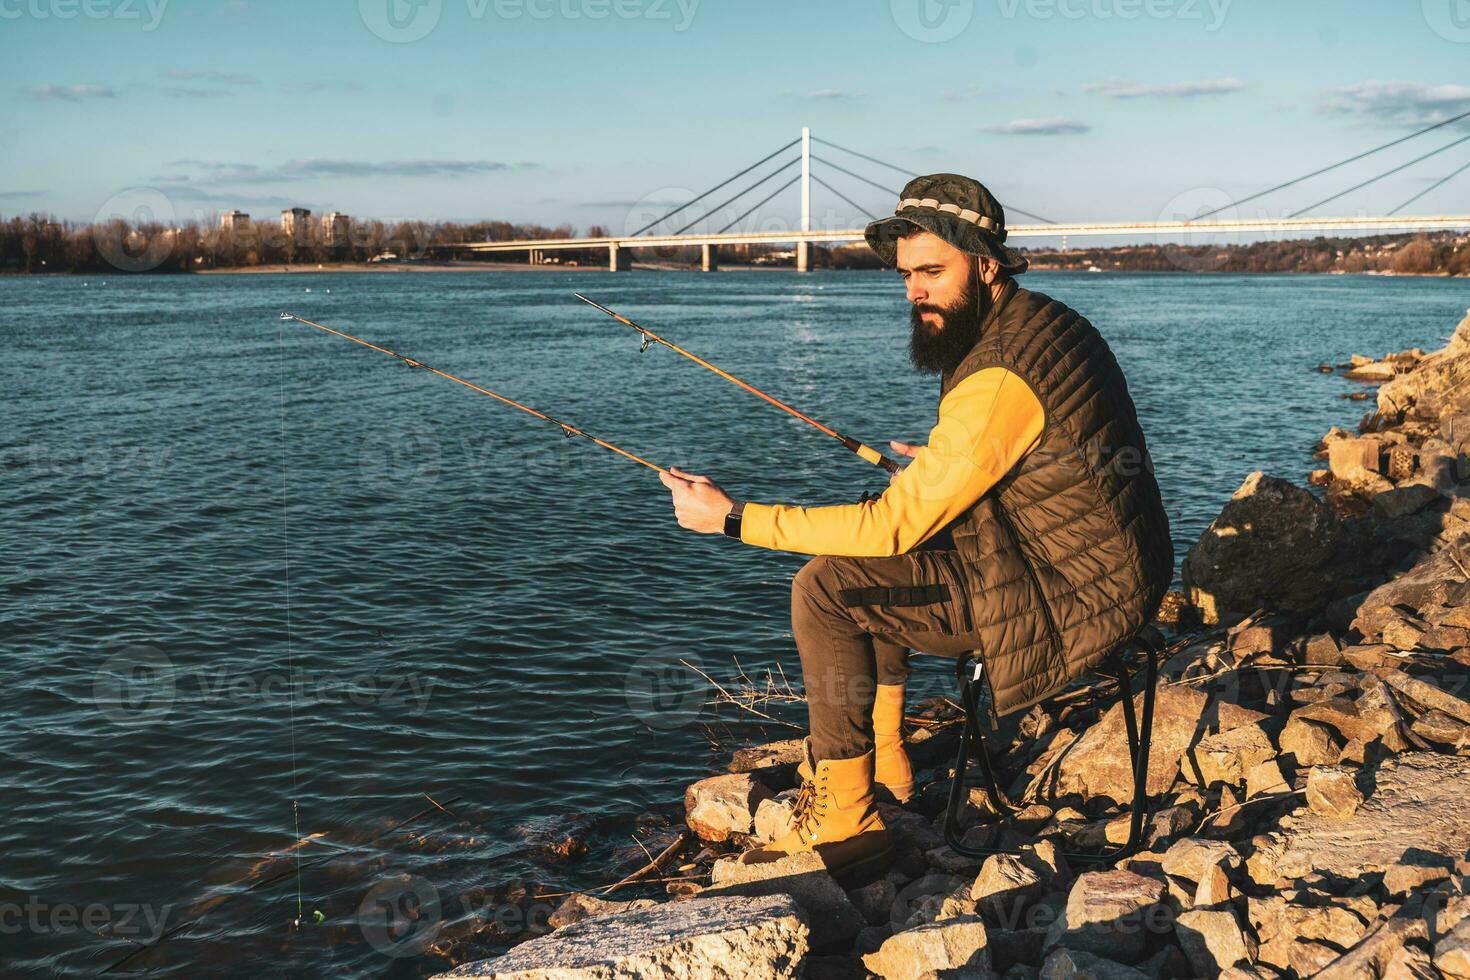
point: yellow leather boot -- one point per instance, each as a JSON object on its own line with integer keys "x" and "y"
{"x": 835, "y": 817}
{"x": 891, "y": 768}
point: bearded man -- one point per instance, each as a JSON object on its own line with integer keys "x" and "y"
{"x": 1029, "y": 528}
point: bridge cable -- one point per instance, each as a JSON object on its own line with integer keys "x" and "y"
{"x": 1435, "y": 186}
{"x": 890, "y": 166}
{"x": 910, "y": 173}
{"x": 850, "y": 201}
{"x": 871, "y": 183}
{"x": 758, "y": 204}
{"x": 729, "y": 200}
{"x": 1386, "y": 173}
{"x": 716, "y": 187}
{"x": 1340, "y": 163}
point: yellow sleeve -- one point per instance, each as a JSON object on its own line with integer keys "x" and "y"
{"x": 987, "y": 423}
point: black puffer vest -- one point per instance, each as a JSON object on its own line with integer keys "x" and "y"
{"x": 1069, "y": 553}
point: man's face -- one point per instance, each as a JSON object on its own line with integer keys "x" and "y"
{"x": 946, "y": 313}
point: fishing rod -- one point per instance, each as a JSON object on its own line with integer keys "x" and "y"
{"x": 866, "y": 452}
{"x": 567, "y": 428}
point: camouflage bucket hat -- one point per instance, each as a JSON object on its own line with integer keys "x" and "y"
{"x": 957, "y": 209}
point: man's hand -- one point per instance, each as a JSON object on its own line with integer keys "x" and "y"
{"x": 699, "y": 504}
{"x": 903, "y": 449}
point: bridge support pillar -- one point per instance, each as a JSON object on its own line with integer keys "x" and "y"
{"x": 709, "y": 257}
{"x": 537, "y": 257}
{"x": 803, "y": 257}
{"x": 618, "y": 259}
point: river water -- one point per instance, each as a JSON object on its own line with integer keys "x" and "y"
{"x": 260, "y": 583}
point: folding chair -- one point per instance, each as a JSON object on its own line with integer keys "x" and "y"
{"x": 970, "y": 675}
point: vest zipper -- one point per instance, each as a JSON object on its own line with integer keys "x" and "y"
{"x": 1005, "y": 520}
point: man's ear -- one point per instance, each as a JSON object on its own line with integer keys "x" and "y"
{"x": 988, "y": 269}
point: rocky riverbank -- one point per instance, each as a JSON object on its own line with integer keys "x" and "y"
{"x": 1309, "y": 771}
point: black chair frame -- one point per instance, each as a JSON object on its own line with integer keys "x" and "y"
{"x": 970, "y": 675}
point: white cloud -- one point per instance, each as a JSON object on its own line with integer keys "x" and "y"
{"x": 1118, "y": 88}
{"x": 1410, "y": 103}
{"x": 1039, "y": 127}
{"x": 69, "y": 93}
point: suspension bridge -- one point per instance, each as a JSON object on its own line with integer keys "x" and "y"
{"x": 759, "y": 175}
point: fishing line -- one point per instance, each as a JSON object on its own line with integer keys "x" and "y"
{"x": 649, "y": 337}
{"x": 290, "y": 658}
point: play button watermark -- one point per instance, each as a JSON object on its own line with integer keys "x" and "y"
{"x": 1450, "y": 19}
{"x": 400, "y": 21}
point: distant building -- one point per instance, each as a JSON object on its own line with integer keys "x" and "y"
{"x": 336, "y": 228}
{"x": 234, "y": 221}
{"x": 294, "y": 222}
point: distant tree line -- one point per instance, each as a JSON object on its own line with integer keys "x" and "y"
{"x": 37, "y": 243}
{"x": 1426, "y": 253}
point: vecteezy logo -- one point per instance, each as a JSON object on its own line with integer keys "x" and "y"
{"x": 1204, "y": 208}
{"x": 932, "y": 21}
{"x": 400, "y": 21}
{"x": 134, "y": 229}
{"x": 135, "y": 686}
{"x": 1450, "y": 19}
{"x": 401, "y": 460}
{"x": 400, "y": 916}
{"x": 664, "y": 693}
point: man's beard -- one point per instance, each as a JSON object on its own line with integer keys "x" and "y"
{"x": 938, "y": 351}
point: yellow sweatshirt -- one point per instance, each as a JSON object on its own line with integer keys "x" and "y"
{"x": 987, "y": 423}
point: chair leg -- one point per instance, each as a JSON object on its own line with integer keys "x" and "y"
{"x": 972, "y": 744}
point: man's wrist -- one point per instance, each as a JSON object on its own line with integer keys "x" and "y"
{"x": 732, "y": 520}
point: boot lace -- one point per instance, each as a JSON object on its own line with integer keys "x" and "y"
{"x": 811, "y": 805}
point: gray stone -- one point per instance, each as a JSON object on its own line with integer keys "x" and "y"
{"x": 874, "y": 900}
{"x": 1073, "y": 964}
{"x": 1098, "y": 764}
{"x": 1405, "y": 500}
{"x": 1213, "y": 940}
{"x": 1372, "y": 954}
{"x": 578, "y": 906}
{"x": 1271, "y": 546}
{"x": 773, "y": 816}
{"x": 1452, "y": 952}
{"x": 1109, "y": 913}
{"x": 1436, "y": 579}
{"x": 935, "y": 947}
{"x": 833, "y": 918}
{"x": 1227, "y": 756}
{"x": 698, "y": 939}
{"x": 1191, "y": 857}
{"x": 1005, "y": 881}
{"x": 1310, "y": 743}
{"x": 1416, "y": 808}
{"x": 1333, "y": 792}
{"x": 1280, "y": 925}
{"x": 719, "y": 806}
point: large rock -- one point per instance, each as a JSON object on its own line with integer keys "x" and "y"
{"x": 719, "y": 806}
{"x": 1073, "y": 964}
{"x": 1416, "y": 813}
{"x": 1273, "y": 546}
{"x": 834, "y": 919}
{"x": 1098, "y": 765}
{"x": 698, "y": 939}
{"x": 936, "y": 947}
{"x": 1442, "y": 371}
{"x": 1282, "y": 927}
{"x": 1213, "y": 940}
{"x": 1109, "y": 913}
{"x": 1228, "y": 756}
{"x": 1436, "y": 580}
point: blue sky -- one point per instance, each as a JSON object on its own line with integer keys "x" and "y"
{"x": 599, "y": 111}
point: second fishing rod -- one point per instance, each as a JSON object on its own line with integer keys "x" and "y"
{"x": 864, "y": 451}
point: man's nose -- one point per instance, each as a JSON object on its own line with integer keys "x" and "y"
{"x": 917, "y": 293}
